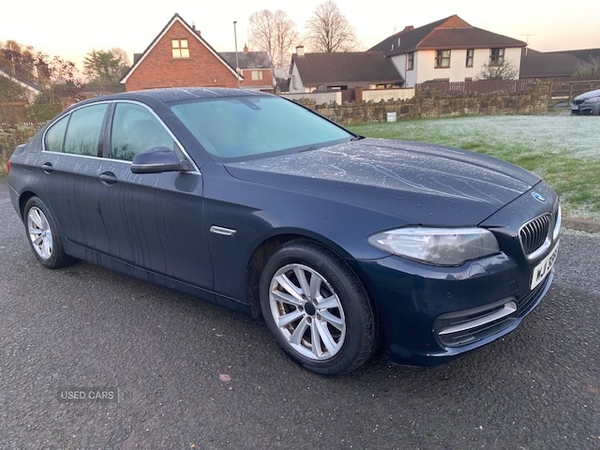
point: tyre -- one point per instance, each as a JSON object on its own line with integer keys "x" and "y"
{"x": 317, "y": 309}
{"x": 42, "y": 235}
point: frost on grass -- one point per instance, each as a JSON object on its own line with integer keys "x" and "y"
{"x": 545, "y": 135}
{"x": 563, "y": 149}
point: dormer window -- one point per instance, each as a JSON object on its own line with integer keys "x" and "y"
{"x": 180, "y": 48}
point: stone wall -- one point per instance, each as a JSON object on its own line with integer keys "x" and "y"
{"x": 9, "y": 139}
{"x": 427, "y": 104}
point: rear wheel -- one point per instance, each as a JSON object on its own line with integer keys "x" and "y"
{"x": 42, "y": 235}
{"x": 317, "y": 309}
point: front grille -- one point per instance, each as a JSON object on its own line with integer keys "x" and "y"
{"x": 534, "y": 233}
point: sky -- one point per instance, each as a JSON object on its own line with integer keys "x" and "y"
{"x": 71, "y": 29}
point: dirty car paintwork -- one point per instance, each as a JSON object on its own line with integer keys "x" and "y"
{"x": 160, "y": 227}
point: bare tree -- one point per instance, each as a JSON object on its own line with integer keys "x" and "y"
{"x": 503, "y": 71}
{"x": 31, "y": 66}
{"x": 329, "y": 31}
{"x": 274, "y": 33}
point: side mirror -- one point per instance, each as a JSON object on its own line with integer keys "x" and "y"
{"x": 158, "y": 160}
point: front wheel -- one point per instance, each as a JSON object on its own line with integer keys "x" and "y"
{"x": 42, "y": 235}
{"x": 317, "y": 309}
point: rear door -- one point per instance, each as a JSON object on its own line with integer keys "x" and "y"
{"x": 71, "y": 163}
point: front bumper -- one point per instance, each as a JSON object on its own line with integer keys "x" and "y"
{"x": 586, "y": 109}
{"x": 422, "y": 312}
{"x": 433, "y": 314}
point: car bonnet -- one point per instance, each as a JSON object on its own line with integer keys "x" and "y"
{"x": 424, "y": 183}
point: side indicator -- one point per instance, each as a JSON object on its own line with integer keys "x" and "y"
{"x": 222, "y": 231}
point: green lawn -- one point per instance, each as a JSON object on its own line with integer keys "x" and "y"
{"x": 563, "y": 149}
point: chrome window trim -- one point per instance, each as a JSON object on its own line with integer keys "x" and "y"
{"x": 181, "y": 147}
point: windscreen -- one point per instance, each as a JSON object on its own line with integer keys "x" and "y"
{"x": 234, "y": 128}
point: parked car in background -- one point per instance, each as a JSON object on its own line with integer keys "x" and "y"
{"x": 253, "y": 202}
{"x": 587, "y": 103}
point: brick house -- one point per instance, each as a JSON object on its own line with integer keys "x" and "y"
{"x": 180, "y": 57}
{"x": 255, "y": 67}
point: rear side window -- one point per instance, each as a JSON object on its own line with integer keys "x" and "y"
{"x": 135, "y": 129}
{"x": 55, "y": 136}
{"x": 83, "y": 131}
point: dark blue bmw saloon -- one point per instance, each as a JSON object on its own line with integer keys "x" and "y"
{"x": 253, "y": 202}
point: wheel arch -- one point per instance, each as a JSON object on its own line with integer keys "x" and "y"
{"x": 268, "y": 246}
{"x": 23, "y": 199}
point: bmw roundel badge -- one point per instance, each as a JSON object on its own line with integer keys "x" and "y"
{"x": 539, "y": 197}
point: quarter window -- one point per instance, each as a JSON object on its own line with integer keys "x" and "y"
{"x": 442, "y": 59}
{"x": 84, "y": 129}
{"x": 496, "y": 56}
{"x": 135, "y": 129}
{"x": 180, "y": 48}
{"x": 55, "y": 136}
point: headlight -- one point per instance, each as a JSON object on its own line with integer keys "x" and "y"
{"x": 437, "y": 246}
{"x": 592, "y": 100}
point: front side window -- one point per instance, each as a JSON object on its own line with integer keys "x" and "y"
{"x": 180, "y": 48}
{"x": 84, "y": 130}
{"x": 496, "y": 56}
{"x": 135, "y": 129}
{"x": 410, "y": 61}
{"x": 470, "y": 56}
{"x": 442, "y": 59}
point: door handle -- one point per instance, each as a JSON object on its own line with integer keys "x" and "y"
{"x": 47, "y": 167}
{"x": 108, "y": 178}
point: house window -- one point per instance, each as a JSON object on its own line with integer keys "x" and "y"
{"x": 256, "y": 75}
{"x": 180, "y": 48}
{"x": 470, "y": 55}
{"x": 496, "y": 56}
{"x": 410, "y": 61}
{"x": 442, "y": 59}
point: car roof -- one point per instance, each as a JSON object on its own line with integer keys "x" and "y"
{"x": 168, "y": 95}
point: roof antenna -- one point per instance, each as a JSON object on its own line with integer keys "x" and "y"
{"x": 527, "y": 41}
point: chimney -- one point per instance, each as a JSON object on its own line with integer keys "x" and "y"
{"x": 245, "y": 48}
{"x": 300, "y": 50}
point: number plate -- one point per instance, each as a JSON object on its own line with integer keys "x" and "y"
{"x": 543, "y": 269}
